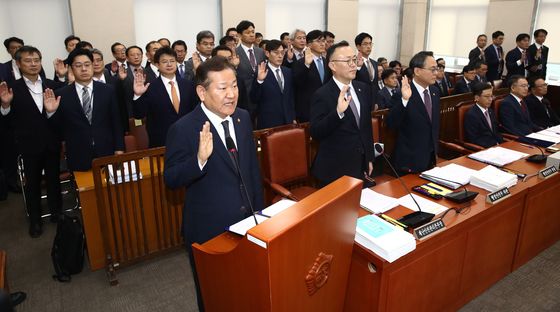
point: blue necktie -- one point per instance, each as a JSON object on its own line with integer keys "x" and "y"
{"x": 321, "y": 69}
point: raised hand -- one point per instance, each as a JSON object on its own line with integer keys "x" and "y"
{"x": 6, "y": 95}
{"x": 71, "y": 77}
{"x": 360, "y": 60}
{"x": 196, "y": 61}
{"x": 114, "y": 66}
{"x": 262, "y": 71}
{"x": 122, "y": 72}
{"x": 205, "y": 144}
{"x": 139, "y": 86}
{"x": 308, "y": 57}
{"x": 290, "y": 52}
{"x": 60, "y": 68}
{"x": 235, "y": 60}
{"x": 406, "y": 92}
{"x": 50, "y": 102}
{"x": 343, "y": 101}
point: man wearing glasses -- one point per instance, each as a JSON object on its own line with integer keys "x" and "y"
{"x": 514, "y": 114}
{"x": 480, "y": 124}
{"x": 341, "y": 121}
{"x": 87, "y": 114}
{"x": 415, "y": 115}
{"x": 540, "y": 109}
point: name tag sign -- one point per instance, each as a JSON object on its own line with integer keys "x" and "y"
{"x": 498, "y": 196}
{"x": 428, "y": 229}
{"x": 547, "y": 172}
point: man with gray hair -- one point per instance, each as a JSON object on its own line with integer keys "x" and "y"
{"x": 204, "y": 46}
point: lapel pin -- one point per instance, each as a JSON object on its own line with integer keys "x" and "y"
{"x": 238, "y": 120}
{"x": 433, "y": 94}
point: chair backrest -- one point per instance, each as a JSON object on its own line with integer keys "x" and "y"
{"x": 451, "y": 91}
{"x": 376, "y": 128}
{"x": 462, "y": 109}
{"x": 130, "y": 144}
{"x": 141, "y": 135}
{"x": 497, "y": 83}
{"x": 285, "y": 155}
{"x": 496, "y": 107}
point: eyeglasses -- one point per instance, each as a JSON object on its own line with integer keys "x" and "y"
{"x": 432, "y": 69}
{"x": 367, "y": 44}
{"x": 82, "y": 65}
{"x": 319, "y": 40}
{"x": 542, "y": 86}
{"x": 207, "y": 44}
{"x": 350, "y": 61}
{"x": 167, "y": 62}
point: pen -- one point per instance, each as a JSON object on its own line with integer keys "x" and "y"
{"x": 391, "y": 220}
{"x": 529, "y": 146}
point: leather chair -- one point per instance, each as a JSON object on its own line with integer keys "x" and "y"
{"x": 379, "y": 162}
{"x": 130, "y": 144}
{"x": 496, "y": 107}
{"x": 462, "y": 109}
{"x": 498, "y": 83}
{"x": 141, "y": 135}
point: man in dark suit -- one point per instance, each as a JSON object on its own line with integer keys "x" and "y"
{"x": 233, "y": 59}
{"x": 390, "y": 88}
{"x": 367, "y": 67}
{"x": 151, "y": 70}
{"x": 273, "y": 90}
{"x": 310, "y": 73}
{"x": 119, "y": 54}
{"x": 100, "y": 72}
{"x": 165, "y": 100}
{"x": 477, "y": 54}
{"x": 341, "y": 122}
{"x": 514, "y": 115}
{"x": 125, "y": 91}
{"x": 86, "y": 113}
{"x": 538, "y": 55}
{"x": 180, "y": 48}
{"x": 517, "y": 59}
{"x": 250, "y": 55}
{"x": 481, "y": 69}
{"x": 440, "y": 81}
{"x": 10, "y": 71}
{"x": 464, "y": 84}
{"x": 199, "y": 161}
{"x": 204, "y": 46}
{"x": 37, "y": 141}
{"x": 494, "y": 55}
{"x": 446, "y": 80}
{"x": 416, "y": 117}
{"x": 480, "y": 124}
{"x": 540, "y": 110}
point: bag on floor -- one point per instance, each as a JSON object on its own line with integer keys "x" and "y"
{"x": 68, "y": 248}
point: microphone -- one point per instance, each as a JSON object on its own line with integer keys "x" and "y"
{"x": 416, "y": 218}
{"x": 233, "y": 151}
{"x": 538, "y": 159}
{"x": 456, "y": 196}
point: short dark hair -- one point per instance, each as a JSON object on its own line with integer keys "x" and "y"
{"x": 243, "y": 25}
{"x": 540, "y": 30}
{"x": 133, "y": 47}
{"x": 314, "y": 35}
{"x": 440, "y": 59}
{"x": 361, "y": 37}
{"x": 226, "y": 39}
{"x": 481, "y": 35}
{"x": 70, "y": 38}
{"x": 497, "y": 34}
{"x": 221, "y": 47}
{"x": 532, "y": 80}
{"x": 514, "y": 79}
{"x": 327, "y": 33}
{"x": 408, "y": 73}
{"x": 381, "y": 59}
{"x": 203, "y": 35}
{"x": 27, "y": 49}
{"x": 332, "y": 49}
{"x": 258, "y": 34}
{"x": 12, "y": 39}
{"x": 284, "y": 35}
{"x": 272, "y": 45}
{"x": 78, "y": 52}
{"x": 164, "y": 39}
{"x": 467, "y": 68}
{"x": 478, "y": 64}
{"x": 440, "y": 66}
{"x": 394, "y": 63}
{"x": 263, "y": 43}
{"x": 521, "y": 37}
{"x": 83, "y": 45}
{"x": 179, "y": 43}
{"x": 214, "y": 64}
{"x": 387, "y": 72}
{"x": 231, "y": 29}
{"x": 149, "y": 44}
{"x": 478, "y": 87}
{"x": 114, "y": 46}
{"x": 164, "y": 51}
{"x": 419, "y": 59}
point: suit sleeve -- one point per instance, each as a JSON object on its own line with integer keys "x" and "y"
{"x": 511, "y": 61}
{"x": 118, "y": 133}
{"x": 323, "y": 119}
{"x": 181, "y": 162}
{"x": 490, "y": 59}
{"x": 140, "y": 105}
{"x": 507, "y": 117}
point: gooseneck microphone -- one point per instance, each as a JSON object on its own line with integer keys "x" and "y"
{"x": 539, "y": 159}
{"x": 416, "y": 218}
{"x": 233, "y": 151}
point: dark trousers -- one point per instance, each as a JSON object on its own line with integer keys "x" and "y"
{"x": 195, "y": 277}
{"x": 34, "y": 164}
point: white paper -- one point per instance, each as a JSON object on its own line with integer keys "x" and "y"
{"x": 277, "y": 207}
{"x": 246, "y": 224}
{"x": 492, "y": 179}
{"x": 126, "y": 175}
{"x": 425, "y": 204}
{"x": 545, "y": 136}
{"x": 498, "y": 156}
{"x": 452, "y": 172}
{"x": 375, "y": 202}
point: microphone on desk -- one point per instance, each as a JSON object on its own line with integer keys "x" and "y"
{"x": 536, "y": 158}
{"x": 233, "y": 151}
{"x": 461, "y": 196}
{"x": 416, "y": 218}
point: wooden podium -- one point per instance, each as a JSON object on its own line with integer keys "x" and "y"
{"x": 296, "y": 261}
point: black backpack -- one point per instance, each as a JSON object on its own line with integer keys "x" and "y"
{"x": 68, "y": 248}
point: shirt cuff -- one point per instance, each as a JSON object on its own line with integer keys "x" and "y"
{"x": 404, "y": 102}
{"x": 340, "y": 115}
{"x": 5, "y": 111}
{"x": 61, "y": 79}
{"x": 135, "y": 97}
{"x": 201, "y": 166}
{"x": 260, "y": 81}
{"x": 49, "y": 115}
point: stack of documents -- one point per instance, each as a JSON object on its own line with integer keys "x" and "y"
{"x": 452, "y": 172}
{"x": 425, "y": 204}
{"x": 246, "y": 224}
{"x": 546, "y": 137}
{"x": 384, "y": 239}
{"x": 123, "y": 171}
{"x": 497, "y": 156}
{"x": 492, "y": 179}
{"x": 375, "y": 202}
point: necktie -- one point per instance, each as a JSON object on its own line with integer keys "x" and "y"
{"x": 174, "y": 97}
{"x": 86, "y": 104}
{"x": 500, "y": 59}
{"x": 279, "y": 79}
{"x": 393, "y": 91}
{"x": 252, "y": 59}
{"x": 469, "y": 86}
{"x": 482, "y": 56}
{"x": 428, "y": 103}
{"x": 369, "y": 69}
{"x": 381, "y": 85}
{"x": 526, "y": 61}
{"x": 353, "y": 108}
{"x": 440, "y": 86}
{"x": 488, "y": 119}
{"x": 181, "y": 71}
{"x": 523, "y": 107}
{"x": 227, "y": 135}
{"x": 321, "y": 69}
{"x": 546, "y": 107}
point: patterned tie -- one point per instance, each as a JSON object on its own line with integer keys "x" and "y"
{"x": 428, "y": 103}
{"x": 488, "y": 119}
{"x": 232, "y": 154}
{"x": 353, "y": 108}
{"x": 501, "y": 60}
{"x": 393, "y": 91}
{"x": 369, "y": 69}
{"x": 321, "y": 69}
{"x": 252, "y": 59}
{"x": 523, "y": 107}
{"x": 86, "y": 104}
{"x": 482, "y": 56}
{"x": 279, "y": 79}
{"x": 174, "y": 97}
{"x": 181, "y": 71}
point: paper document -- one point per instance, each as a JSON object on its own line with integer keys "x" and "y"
{"x": 277, "y": 207}
{"x": 246, "y": 224}
{"x": 425, "y": 204}
{"x": 375, "y": 202}
{"x": 497, "y": 156}
{"x": 119, "y": 173}
{"x": 492, "y": 179}
{"x": 452, "y": 172}
{"x": 545, "y": 135}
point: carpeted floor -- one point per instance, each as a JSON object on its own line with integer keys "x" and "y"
{"x": 165, "y": 283}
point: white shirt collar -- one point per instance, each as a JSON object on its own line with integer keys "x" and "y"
{"x": 273, "y": 68}
{"x": 482, "y": 108}
{"x": 516, "y": 98}
{"x": 79, "y": 87}
{"x": 539, "y": 97}
{"x": 166, "y": 80}
{"x": 39, "y": 81}
{"x": 419, "y": 88}
{"x": 538, "y": 45}
{"x": 521, "y": 50}
{"x": 216, "y": 121}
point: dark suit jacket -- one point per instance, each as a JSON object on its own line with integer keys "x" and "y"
{"x": 461, "y": 86}
{"x": 344, "y": 149}
{"x": 363, "y": 76}
{"x": 274, "y": 107}
{"x": 533, "y": 61}
{"x": 418, "y": 137}
{"x": 512, "y": 57}
{"x": 384, "y": 98}
{"x": 307, "y": 81}
{"x": 156, "y": 106}
{"x": 150, "y": 74}
{"x": 481, "y": 79}
{"x": 84, "y": 141}
{"x": 442, "y": 88}
{"x": 478, "y": 131}
{"x": 514, "y": 120}
{"x": 245, "y": 71}
{"x": 541, "y": 113}
{"x": 475, "y": 55}
{"x": 446, "y": 79}
{"x": 493, "y": 62}
{"x": 189, "y": 69}
{"x": 6, "y": 73}
{"x": 214, "y": 199}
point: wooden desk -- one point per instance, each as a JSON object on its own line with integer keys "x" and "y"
{"x": 476, "y": 249}
{"x": 3, "y": 278}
